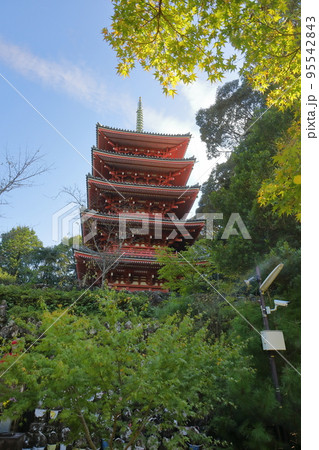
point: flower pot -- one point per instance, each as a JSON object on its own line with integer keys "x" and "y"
{"x": 194, "y": 447}
{"x": 5, "y": 425}
{"x": 51, "y": 446}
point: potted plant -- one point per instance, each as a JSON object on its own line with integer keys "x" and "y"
{"x": 5, "y": 423}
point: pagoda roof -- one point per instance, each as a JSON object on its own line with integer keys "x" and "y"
{"x": 138, "y": 217}
{"x": 181, "y": 168}
{"x": 139, "y": 157}
{"x": 123, "y": 258}
{"x": 144, "y": 140}
{"x": 155, "y": 189}
{"x": 183, "y": 194}
{"x": 147, "y": 133}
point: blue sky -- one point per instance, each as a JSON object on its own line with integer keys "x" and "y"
{"x": 55, "y": 56}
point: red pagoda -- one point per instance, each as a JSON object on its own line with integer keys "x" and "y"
{"x": 137, "y": 202}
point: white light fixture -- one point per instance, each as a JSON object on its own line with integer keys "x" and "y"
{"x": 249, "y": 281}
{"x": 271, "y": 277}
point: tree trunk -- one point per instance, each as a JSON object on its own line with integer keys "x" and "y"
{"x": 87, "y": 432}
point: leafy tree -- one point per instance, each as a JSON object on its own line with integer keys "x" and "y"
{"x": 16, "y": 245}
{"x": 116, "y": 375}
{"x": 230, "y": 121}
{"x": 233, "y": 187}
{"x": 283, "y": 189}
{"x": 223, "y": 125}
{"x": 178, "y": 38}
{"x": 51, "y": 266}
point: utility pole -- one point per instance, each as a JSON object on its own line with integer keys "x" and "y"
{"x": 271, "y": 353}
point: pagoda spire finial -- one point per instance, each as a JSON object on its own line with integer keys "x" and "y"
{"x": 139, "y": 117}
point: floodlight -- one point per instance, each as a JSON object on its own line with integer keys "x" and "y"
{"x": 267, "y": 282}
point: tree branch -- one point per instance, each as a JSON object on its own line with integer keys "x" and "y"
{"x": 19, "y": 173}
{"x": 86, "y": 431}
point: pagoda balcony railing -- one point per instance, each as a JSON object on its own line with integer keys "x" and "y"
{"x": 141, "y": 179}
{"x": 143, "y": 151}
{"x": 151, "y": 211}
{"x": 147, "y": 156}
{"x": 125, "y": 183}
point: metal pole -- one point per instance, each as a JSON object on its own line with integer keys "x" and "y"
{"x": 271, "y": 353}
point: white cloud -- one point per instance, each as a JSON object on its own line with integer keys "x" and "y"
{"x": 79, "y": 83}
{"x": 161, "y": 122}
{"x": 200, "y": 94}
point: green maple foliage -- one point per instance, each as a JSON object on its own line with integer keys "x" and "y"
{"x": 283, "y": 189}
{"x": 116, "y": 375}
{"x": 178, "y": 38}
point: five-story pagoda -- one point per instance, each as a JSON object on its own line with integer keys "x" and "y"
{"x": 137, "y": 202}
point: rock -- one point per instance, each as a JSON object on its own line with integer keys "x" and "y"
{"x": 27, "y": 440}
{"x": 52, "y": 436}
{"x": 40, "y": 439}
{"x": 155, "y": 298}
{"x": 3, "y": 311}
{"x": 37, "y": 439}
{"x": 37, "y": 427}
{"x": 9, "y": 331}
{"x": 64, "y": 433}
{"x": 80, "y": 443}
